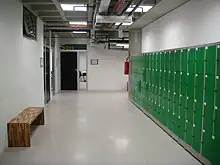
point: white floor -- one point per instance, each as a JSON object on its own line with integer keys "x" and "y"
{"x": 89, "y": 128}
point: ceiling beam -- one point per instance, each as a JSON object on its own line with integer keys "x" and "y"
{"x": 56, "y": 3}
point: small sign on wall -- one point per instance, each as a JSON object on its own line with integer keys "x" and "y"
{"x": 41, "y": 62}
{"x": 94, "y": 61}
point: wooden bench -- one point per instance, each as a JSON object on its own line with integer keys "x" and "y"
{"x": 19, "y": 132}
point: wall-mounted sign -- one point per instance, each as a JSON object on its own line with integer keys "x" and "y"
{"x": 94, "y": 61}
{"x": 41, "y": 62}
{"x": 73, "y": 47}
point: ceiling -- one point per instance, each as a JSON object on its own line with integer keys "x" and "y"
{"x": 58, "y": 20}
{"x": 159, "y": 10}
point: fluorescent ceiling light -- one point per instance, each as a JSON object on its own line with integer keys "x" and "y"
{"x": 74, "y": 7}
{"x": 139, "y": 9}
{"x": 126, "y": 24}
{"x": 123, "y": 45}
{"x": 78, "y": 23}
{"x": 80, "y": 8}
{"x": 79, "y": 32}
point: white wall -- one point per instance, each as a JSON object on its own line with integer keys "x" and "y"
{"x": 21, "y": 78}
{"x": 135, "y": 42}
{"x": 109, "y": 74}
{"x": 195, "y": 23}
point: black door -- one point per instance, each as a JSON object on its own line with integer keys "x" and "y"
{"x": 68, "y": 71}
{"x": 46, "y": 75}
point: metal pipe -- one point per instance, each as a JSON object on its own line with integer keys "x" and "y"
{"x": 138, "y": 4}
{"x": 133, "y": 10}
{"x": 125, "y": 8}
{"x": 123, "y": 11}
{"x": 95, "y": 12}
{"x": 117, "y": 5}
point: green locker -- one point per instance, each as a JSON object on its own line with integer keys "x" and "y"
{"x": 182, "y": 120}
{"x": 210, "y": 52}
{"x": 184, "y": 58}
{"x": 183, "y": 85}
{"x": 218, "y": 60}
{"x": 208, "y": 117}
{"x": 162, "y": 80}
{"x": 196, "y": 144}
{"x": 169, "y": 116}
{"x": 177, "y": 60}
{"x": 190, "y": 89}
{"x": 191, "y": 60}
{"x": 166, "y": 79}
{"x": 199, "y": 87}
{"x": 147, "y": 61}
{"x": 175, "y": 117}
{"x": 189, "y": 132}
{"x": 190, "y": 109}
{"x": 162, "y": 61}
{"x": 200, "y": 56}
{"x": 177, "y": 90}
{"x": 172, "y": 61}
{"x": 207, "y": 144}
{"x": 167, "y": 61}
{"x": 209, "y": 90}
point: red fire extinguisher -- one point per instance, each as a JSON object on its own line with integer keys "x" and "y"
{"x": 126, "y": 66}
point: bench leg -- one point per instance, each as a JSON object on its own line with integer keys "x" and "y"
{"x": 39, "y": 120}
{"x": 18, "y": 135}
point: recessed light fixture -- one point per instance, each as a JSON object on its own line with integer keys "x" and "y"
{"x": 74, "y": 7}
{"x": 78, "y": 23}
{"x": 123, "y": 45}
{"x": 126, "y": 24}
{"x": 79, "y": 32}
{"x": 139, "y": 9}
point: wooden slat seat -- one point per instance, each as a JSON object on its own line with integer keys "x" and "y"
{"x": 19, "y": 126}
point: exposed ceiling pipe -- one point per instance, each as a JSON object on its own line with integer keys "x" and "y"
{"x": 133, "y": 10}
{"x": 104, "y": 6}
{"x": 118, "y": 5}
{"x": 90, "y": 11}
{"x": 125, "y": 8}
{"x": 123, "y": 11}
{"x": 95, "y": 12}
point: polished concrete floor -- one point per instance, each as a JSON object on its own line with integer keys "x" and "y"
{"x": 89, "y": 128}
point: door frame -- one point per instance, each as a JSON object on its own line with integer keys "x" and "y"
{"x": 78, "y": 63}
{"x": 45, "y": 48}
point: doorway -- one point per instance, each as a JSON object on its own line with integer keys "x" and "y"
{"x": 46, "y": 75}
{"x": 69, "y": 71}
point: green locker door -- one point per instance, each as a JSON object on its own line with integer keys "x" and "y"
{"x": 200, "y": 55}
{"x": 197, "y": 126}
{"x": 207, "y": 144}
{"x": 209, "y": 100}
{"x": 177, "y": 61}
{"x": 189, "y": 132}
{"x": 191, "y": 60}
{"x": 190, "y": 83}
{"x": 184, "y": 55}
{"x": 199, "y": 87}
{"x": 210, "y": 53}
{"x": 181, "y": 121}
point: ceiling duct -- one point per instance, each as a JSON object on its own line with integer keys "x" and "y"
{"x": 113, "y": 19}
{"x": 104, "y": 5}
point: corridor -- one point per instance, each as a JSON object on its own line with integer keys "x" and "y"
{"x": 89, "y": 128}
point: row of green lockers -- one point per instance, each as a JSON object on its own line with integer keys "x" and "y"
{"x": 181, "y": 89}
